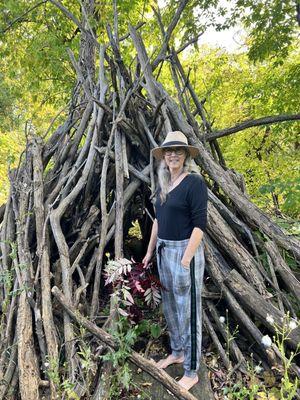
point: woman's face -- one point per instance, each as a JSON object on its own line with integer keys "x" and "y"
{"x": 175, "y": 157}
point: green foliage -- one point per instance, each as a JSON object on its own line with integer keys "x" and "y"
{"x": 155, "y": 330}
{"x": 65, "y": 388}
{"x": 37, "y": 78}
{"x": 125, "y": 336}
{"x": 33, "y": 54}
{"x": 236, "y": 90}
{"x": 52, "y": 370}
{"x": 11, "y": 146}
{"x": 258, "y": 389}
{"x": 289, "y": 190}
{"x": 240, "y": 392}
{"x": 7, "y": 278}
{"x": 142, "y": 327}
{"x": 272, "y": 27}
{"x": 56, "y": 373}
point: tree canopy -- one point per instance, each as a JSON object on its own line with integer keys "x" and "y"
{"x": 37, "y": 76}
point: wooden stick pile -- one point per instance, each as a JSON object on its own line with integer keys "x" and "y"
{"x": 76, "y": 192}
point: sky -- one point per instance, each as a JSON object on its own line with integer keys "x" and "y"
{"x": 230, "y": 39}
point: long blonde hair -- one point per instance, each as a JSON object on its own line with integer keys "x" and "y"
{"x": 164, "y": 176}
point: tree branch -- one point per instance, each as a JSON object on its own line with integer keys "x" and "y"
{"x": 250, "y": 123}
{"x": 171, "y": 27}
{"x": 20, "y": 18}
{"x": 191, "y": 41}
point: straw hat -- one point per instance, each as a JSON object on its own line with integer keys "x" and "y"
{"x": 174, "y": 139}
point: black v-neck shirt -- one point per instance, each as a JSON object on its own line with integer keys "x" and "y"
{"x": 184, "y": 209}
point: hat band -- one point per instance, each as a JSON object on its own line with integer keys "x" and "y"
{"x": 174, "y": 143}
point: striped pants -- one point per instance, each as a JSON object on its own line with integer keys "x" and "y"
{"x": 181, "y": 300}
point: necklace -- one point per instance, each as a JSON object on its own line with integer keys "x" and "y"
{"x": 174, "y": 180}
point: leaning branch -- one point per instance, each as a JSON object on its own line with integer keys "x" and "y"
{"x": 168, "y": 34}
{"x": 250, "y": 123}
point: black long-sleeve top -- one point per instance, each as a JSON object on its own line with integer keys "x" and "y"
{"x": 184, "y": 209}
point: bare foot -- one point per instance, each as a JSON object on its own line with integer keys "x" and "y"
{"x": 164, "y": 363}
{"x": 188, "y": 382}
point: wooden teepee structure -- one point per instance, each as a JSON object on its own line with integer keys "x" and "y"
{"x": 78, "y": 191}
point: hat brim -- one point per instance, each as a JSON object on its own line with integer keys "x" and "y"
{"x": 158, "y": 152}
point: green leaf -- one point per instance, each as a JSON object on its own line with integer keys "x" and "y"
{"x": 155, "y": 331}
{"x": 126, "y": 376}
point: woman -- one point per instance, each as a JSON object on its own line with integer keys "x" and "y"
{"x": 177, "y": 231}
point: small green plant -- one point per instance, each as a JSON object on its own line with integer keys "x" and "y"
{"x": 155, "y": 330}
{"x": 7, "y": 277}
{"x": 133, "y": 288}
{"x": 6, "y": 280}
{"x": 125, "y": 336}
{"x": 65, "y": 388}
{"x": 85, "y": 356}
{"x": 282, "y": 331}
{"x": 230, "y": 336}
{"x": 256, "y": 389}
{"x": 68, "y": 390}
{"x": 240, "y": 392}
{"x": 52, "y": 370}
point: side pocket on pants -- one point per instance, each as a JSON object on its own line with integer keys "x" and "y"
{"x": 183, "y": 276}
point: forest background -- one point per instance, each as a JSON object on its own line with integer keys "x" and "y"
{"x": 258, "y": 78}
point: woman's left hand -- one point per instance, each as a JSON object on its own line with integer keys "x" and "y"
{"x": 185, "y": 263}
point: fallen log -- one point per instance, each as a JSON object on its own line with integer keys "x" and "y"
{"x": 223, "y": 235}
{"x": 215, "y": 268}
{"x": 284, "y": 271}
{"x": 254, "y": 302}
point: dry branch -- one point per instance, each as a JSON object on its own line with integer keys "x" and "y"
{"x": 250, "y": 123}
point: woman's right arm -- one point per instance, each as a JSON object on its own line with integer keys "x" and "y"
{"x": 152, "y": 243}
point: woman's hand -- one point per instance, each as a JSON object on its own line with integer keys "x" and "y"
{"x": 152, "y": 244}
{"x": 185, "y": 263}
{"x": 191, "y": 248}
{"x": 147, "y": 259}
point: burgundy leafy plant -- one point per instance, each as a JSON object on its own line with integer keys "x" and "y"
{"x": 130, "y": 279}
